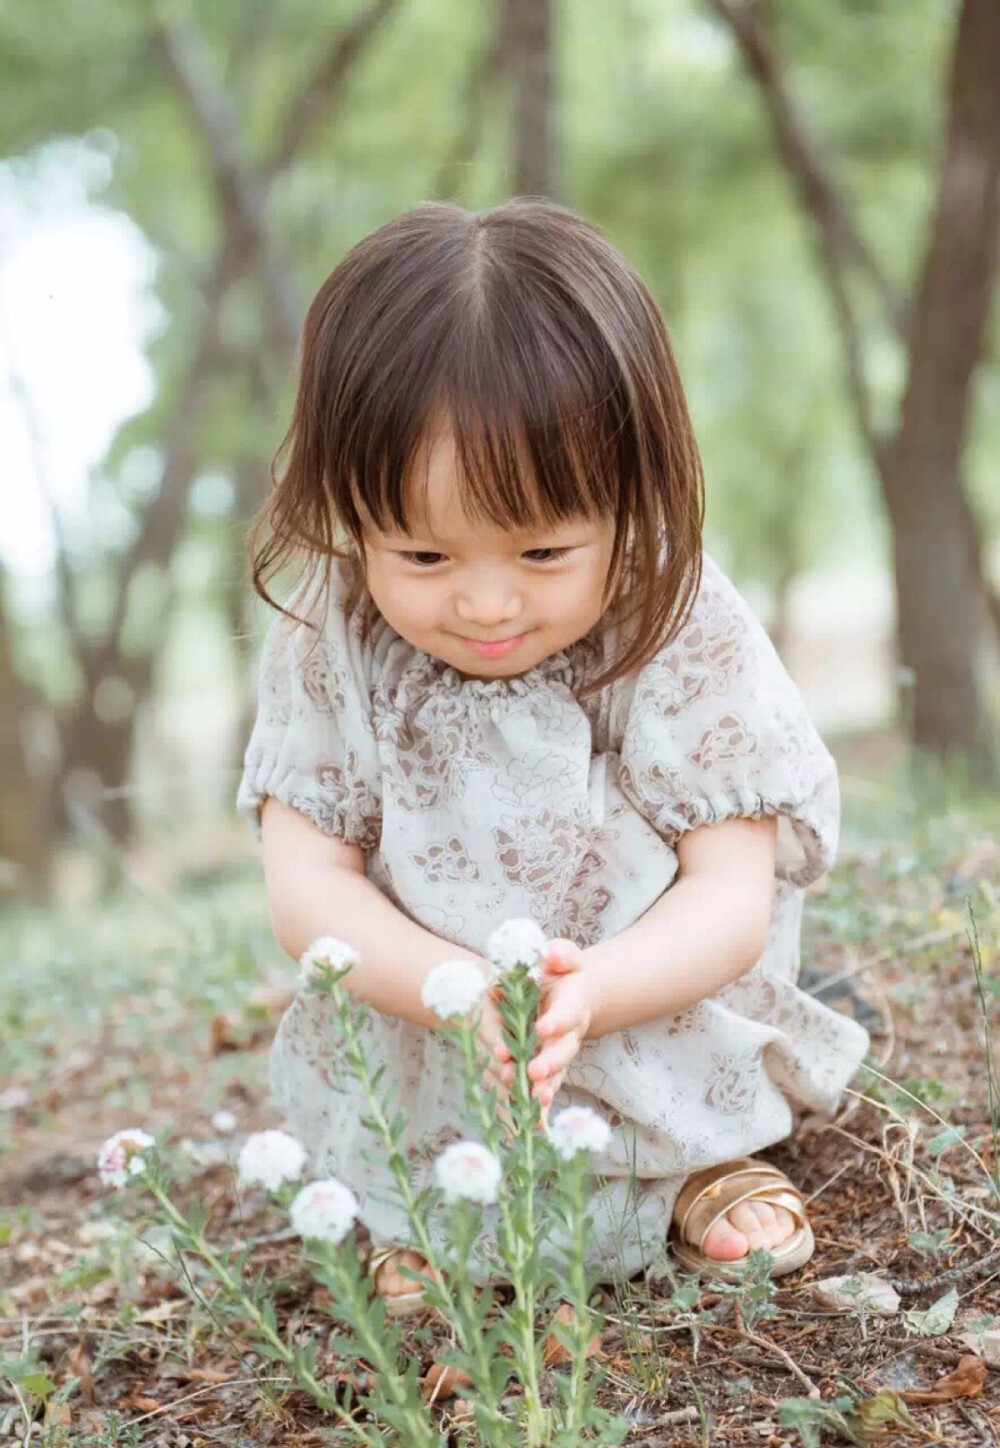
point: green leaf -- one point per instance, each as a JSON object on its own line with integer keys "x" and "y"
{"x": 930, "y": 1242}
{"x": 937, "y": 1318}
{"x": 937, "y": 1144}
{"x": 38, "y": 1383}
{"x": 28, "y": 1373}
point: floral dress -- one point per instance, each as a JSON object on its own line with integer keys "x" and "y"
{"x": 479, "y": 800}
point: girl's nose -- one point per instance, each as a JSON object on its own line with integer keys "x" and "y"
{"x": 488, "y": 608}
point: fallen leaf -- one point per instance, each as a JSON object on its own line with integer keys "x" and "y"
{"x": 80, "y": 1366}
{"x": 205, "y": 1375}
{"x": 877, "y": 1413}
{"x": 853, "y": 1292}
{"x": 163, "y": 1311}
{"x": 984, "y": 1344}
{"x": 966, "y": 1381}
{"x": 441, "y": 1380}
{"x": 141, "y": 1403}
{"x": 556, "y": 1352}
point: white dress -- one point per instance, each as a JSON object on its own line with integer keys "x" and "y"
{"x": 478, "y": 800}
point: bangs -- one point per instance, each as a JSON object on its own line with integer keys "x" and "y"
{"x": 534, "y": 442}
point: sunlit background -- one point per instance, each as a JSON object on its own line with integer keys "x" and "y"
{"x": 177, "y": 181}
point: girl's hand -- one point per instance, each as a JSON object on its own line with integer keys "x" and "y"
{"x": 565, "y": 1020}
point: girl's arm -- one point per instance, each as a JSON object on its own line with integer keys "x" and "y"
{"x": 704, "y": 932}
{"x": 317, "y": 886}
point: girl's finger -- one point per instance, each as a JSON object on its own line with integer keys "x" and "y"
{"x": 555, "y": 1056}
{"x": 545, "y": 1090}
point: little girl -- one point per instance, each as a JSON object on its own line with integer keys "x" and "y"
{"x": 511, "y": 684}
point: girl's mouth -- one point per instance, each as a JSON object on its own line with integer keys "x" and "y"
{"x": 494, "y": 650}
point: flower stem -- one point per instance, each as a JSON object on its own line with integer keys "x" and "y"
{"x": 577, "y": 1282}
{"x": 524, "y": 1285}
{"x": 420, "y": 1431}
{"x": 237, "y": 1292}
{"x": 465, "y": 1324}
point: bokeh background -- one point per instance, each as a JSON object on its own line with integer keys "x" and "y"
{"x": 810, "y": 190}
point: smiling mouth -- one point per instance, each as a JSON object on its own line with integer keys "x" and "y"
{"x": 494, "y": 648}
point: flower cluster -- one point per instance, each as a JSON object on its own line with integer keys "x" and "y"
{"x": 326, "y": 953}
{"x": 469, "y": 1171}
{"x": 270, "y": 1158}
{"x": 578, "y": 1128}
{"x": 324, "y": 1211}
{"x": 516, "y": 942}
{"x": 121, "y": 1156}
{"x": 453, "y": 988}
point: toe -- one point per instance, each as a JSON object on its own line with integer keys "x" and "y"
{"x": 725, "y": 1241}
{"x": 765, "y": 1226}
{"x": 785, "y": 1225}
{"x": 746, "y": 1218}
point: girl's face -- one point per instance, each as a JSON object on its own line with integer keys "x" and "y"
{"x": 453, "y": 582}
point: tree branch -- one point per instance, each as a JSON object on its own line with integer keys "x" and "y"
{"x": 243, "y": 193}
{"x": 326, "y": 87}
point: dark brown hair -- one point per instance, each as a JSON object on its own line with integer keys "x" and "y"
{"x": 529, "y": 332}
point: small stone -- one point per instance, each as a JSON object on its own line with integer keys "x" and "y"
{"x": 855, "y": 1292}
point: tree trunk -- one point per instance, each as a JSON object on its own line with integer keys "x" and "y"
{"x": 25, "y": 817}
{"x": 948, "y": 614}
{"x": 526, "y": 49}
{"x": 942, "y": 611}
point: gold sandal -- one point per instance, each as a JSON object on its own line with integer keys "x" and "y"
{"x": 710, "y": 1193}
{"x": 397, "y": 1304}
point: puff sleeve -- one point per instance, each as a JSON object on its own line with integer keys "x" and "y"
{"x": 313, "y": 745}
{"x": 716, "y": 729}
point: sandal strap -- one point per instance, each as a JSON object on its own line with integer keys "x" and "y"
{"x": 382, "y": 1254}
{"x": 726, "y": 1186}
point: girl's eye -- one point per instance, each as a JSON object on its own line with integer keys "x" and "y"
{"x": 430, "y": 560}
{"x": 554, "y": 554}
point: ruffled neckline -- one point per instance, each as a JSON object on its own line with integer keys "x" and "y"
{"x": 565, "y": 668}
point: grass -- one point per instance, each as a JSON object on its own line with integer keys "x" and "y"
{"x": 157, "y": 1006}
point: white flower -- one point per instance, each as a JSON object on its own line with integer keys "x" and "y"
{"x": 516, "y": 942}
{"x": 121, "y": 1155}
{"x": 468, "y": 1169}
{"x": 224, "y": 1122}
{"x": 324, "y": 1210}
{"x": 453, "y": 988}
{"x": 326, "y": 951}
{"x": 271, "y": 1157}
{"x": 579, "y": 1128}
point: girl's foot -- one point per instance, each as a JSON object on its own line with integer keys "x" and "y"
{"x": 724, "y": 1212}
{"x": 747, "y": 1226}
{"x": 389, "y": 1282}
